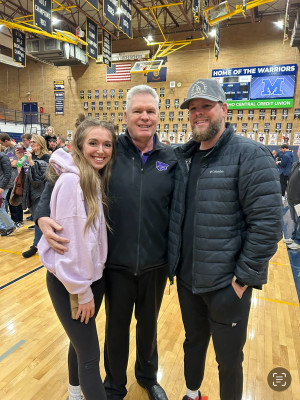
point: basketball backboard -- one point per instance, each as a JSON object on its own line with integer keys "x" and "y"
{"x": 146, "y": 66}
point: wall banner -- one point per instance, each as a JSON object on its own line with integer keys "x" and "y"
{"x": 19, "y": 47}
{"x": 269, "y": 86}
{"x": 106, "y": 48}
{"x": 110, "y": 8}
{"x": 91, "y": 38}
{"x": 125, "y": 17}
{"x": 42, "y": 14}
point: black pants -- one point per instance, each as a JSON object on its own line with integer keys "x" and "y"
{"x": 222, "y": 315}
{"x": 84, "y": 353}
{"x": 16, "y": 212}
{"x": 283, "y": 183}
{"x": 124, "y": 292}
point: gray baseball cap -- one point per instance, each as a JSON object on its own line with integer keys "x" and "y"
{"x": 208, "y": 89}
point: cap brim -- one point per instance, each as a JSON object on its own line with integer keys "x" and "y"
{"x": 186, "y": 103}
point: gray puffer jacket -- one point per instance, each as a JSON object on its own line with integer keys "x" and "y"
{"x": 237, "y": 220}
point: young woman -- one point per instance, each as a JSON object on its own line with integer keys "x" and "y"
{"x": 79, "y": 204}
{"x": 49, "y": 134}
{"x": 35, "y": 178}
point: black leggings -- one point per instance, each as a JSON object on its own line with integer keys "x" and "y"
{"x": 84, "y": 352}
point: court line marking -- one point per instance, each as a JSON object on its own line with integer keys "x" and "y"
{"x": 14, "y": 252}
{"x": 278, "y": 301}
{"x": 284, "y": 265}
{"x": 11, "y": 350}
{"x": 20, "y": 277}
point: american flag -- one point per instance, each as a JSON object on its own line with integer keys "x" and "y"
{"x": 118, "y": 72}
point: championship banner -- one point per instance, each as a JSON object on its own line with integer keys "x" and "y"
{"x": 94, "y": 3}
{"x": 269, "y": 86}
{"x": 110, "y": 8}
{"x": 106, "y": 48}
{"x": 59, "y": 95}
{"x": 59, "y": 102}
{"x": 125, "y": 17}
{"x": 42, "y": 14}
{"x": 217, "y": 42}
{"x": 91, "y": 38}
{"x": 157, "y": 76}
{"x": 19, "y": 47}
{"x": 196, "y": 9}
{"x": 205, "y": 20}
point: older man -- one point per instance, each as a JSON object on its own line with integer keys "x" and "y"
{"x": 140, "y": 194}
{"x": 224, "y": 228}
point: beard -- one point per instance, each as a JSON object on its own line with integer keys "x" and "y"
{"x": 208, "y": 133}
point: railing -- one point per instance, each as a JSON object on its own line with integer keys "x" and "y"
{"x": 18, "y": 117}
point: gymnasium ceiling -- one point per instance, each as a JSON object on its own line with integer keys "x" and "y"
{"x": 175, "y": 19}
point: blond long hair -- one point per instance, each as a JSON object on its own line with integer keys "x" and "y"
{"x": 42, "y": 142}
{"x": 90, "y": 183}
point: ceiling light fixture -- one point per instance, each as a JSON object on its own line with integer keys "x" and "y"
{"x": 55, "y": 21}
{"x": 279, "y": 24}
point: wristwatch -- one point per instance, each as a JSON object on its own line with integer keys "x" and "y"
{"x": 240, "y": 283}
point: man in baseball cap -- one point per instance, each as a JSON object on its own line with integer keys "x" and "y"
{"x": 224, "y": 227}
{"x": 208, "y": 89}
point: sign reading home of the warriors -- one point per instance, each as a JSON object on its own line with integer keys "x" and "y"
{"x": 125, "y": 17}
{"x": 42, "y": 14}
{"x": 268, "y": 86}
{"x": 91, "y": 38}
{"x": 19, "y": 47}
{"x": 106, "y": 48}
{"x": 110, "y": 8}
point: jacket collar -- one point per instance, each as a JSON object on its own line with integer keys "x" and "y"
{"x": 127, "y": 139}
{"x": 188, "y": 149}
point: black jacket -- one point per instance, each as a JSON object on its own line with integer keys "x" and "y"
{"x": 238, "y": 213}
{"x": 5, "y": 172}
{"x": 139, "y": 208}
{"x": 293, "y": 188}
{"x": 140, "y": 200}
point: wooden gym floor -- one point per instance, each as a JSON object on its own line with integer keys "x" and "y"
{"x": 33, "y": 345}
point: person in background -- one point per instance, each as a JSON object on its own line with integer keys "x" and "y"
{"x": 136, "y": 266}
{"x": 61, "y": 143}
{"x": 52, "y": 145}
{"x": 79, "y": 204}
{"x": 284, "y": 162}
{"x": 7, "y": 226}
{"x": 224, "y": 227}
{"x": 293, "y": 198}
{"x": 35, "y": 177}
{"x": 16, "y": 212}
{"x": 50, "y": 134}
{"x": 26, "y": 137}
{"x": 166, "y": 141}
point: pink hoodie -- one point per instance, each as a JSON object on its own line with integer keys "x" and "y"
{"x": 84, "y": 261}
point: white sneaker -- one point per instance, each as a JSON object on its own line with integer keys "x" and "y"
{"x": 293, "y": 246}
{"x": 288, "y": 241}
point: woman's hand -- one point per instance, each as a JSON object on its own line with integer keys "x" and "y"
{"x": 86, "y": 311}
{"x": 18, "y": 154}
{"x": 29, "y": 157}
